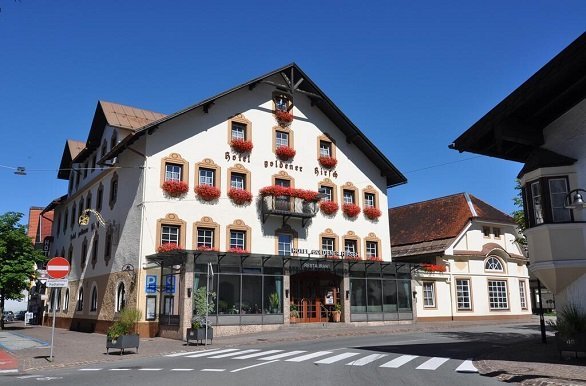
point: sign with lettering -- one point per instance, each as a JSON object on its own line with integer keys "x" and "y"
{"x": 169, "y": 284}
{"x": 151, "y": 284}
{"x": 323, "y": 252}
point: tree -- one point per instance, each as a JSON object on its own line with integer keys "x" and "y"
{"x": 17, "y": 259}
{"x": 519, "y": 214}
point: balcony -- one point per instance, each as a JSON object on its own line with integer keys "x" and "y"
{"x": 288, "y": 207}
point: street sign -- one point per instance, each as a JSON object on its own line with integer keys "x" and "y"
{"x": 57, "y": 283}
{"x": 58, "y": 268}
{"x": 151, "y": 284}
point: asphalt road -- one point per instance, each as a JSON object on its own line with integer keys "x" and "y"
{"x": 407, "y": 359}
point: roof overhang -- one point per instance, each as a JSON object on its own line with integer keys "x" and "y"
{"x": 53, "y": 204}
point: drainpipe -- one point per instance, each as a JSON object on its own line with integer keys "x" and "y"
{"x": 450, "y": 282}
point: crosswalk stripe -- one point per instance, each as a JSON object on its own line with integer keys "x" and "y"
{"x": 250, "y": 367}
{"x": 178, "y": 354}
{"x": 181, "y": 369}
{"x": 432, "y": 363}
{"x": 309, "y": 356}
{"x": 214, "y": 370}
{"x": 231, "y": 354}
{"x": 29, "y": 376}
{"x": 258, "y": 354}
{"x": 279, "y": 356}
{"x": 367, "y": 359}
{"x": 119, "y": 369}
{"x": 150, "y": 369}
{"x": 336, "y": 358}
{"x": 206, "y": 353}
{"x": 400, "y": 361}
{"x": 92, "y": 369}
{"x": 467, "y": 367}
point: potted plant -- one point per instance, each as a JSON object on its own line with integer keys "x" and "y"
{"x": 285, "y": 153}
{"x": 283, "y": 117}
{"x": 570, "y": 328}
{"x": 122, "y": 334}
{"x": 327, "y": 162}
{"x": 207, "y": 192}
{"x": 293, "y": 313}
{"x": 199, "y": 324}
{"x": 175, "y": 188}
{"x": 372, "y": 213}
{"x": 274, "y": 303}
{"x": 337, "y": 313}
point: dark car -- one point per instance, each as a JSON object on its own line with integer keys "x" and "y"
{"x": 8, "y": 316}
{"x": 19, "y": 315}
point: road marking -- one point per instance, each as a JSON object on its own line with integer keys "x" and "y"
{"x": 206, "y": 353}
{"x": 336, "y": 358}
{"x": 28, "y": 376}
{"x": 400, "y": 361}
{"x": 279, "y": 356}
{"x": 467, "y": 367}
{"x": 150, "y": 369}
{"x": 214, "y": 370}
{"x": 178, "y": 354}
{"x": 367, "y": 359}
{"x": 249, "y": 367}
{"x": 118, "y": 369}
{"x": 231, "y": 354}
{"x": 181, "y": 369}
{"x": 9, "y": 371}
{"x": 432, "y": 363}
{"x": 309, "y": 356}
{"x": 92, "y": 369}
{"x": 258, "y": 354}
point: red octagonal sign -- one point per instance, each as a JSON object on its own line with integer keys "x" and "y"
{"x": 58, "y": 268}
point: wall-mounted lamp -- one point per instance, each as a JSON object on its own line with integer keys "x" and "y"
{"x": 414, "y": 294}
{"x": 347, "y": 294}
{"x": 189, "y": 292}
{"x": 287, "y": 293}
{"x": 574, "y": 201}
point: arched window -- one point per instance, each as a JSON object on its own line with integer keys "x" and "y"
{"x": 58, "y": 300}
{"x": 493, "y": 264}
{"x": 80, "y": 300}
{"x": 120, "y": 297}
{"x": 66, "y": 301}
{"x": 94, "y": 300}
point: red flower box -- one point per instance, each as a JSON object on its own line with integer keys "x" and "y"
{"x": 328, "y": 207}
{"x": 237, "y": 250}
{"x": 333, "y": 257}
{"x": 375, "y": 258}
{"x": 433, "y": 268}
{"x": 275, "y": 190}
{"x": 207, "y": 192}
{"x": 241, "y": 145}
{"x": 351, "y": 210}
{"x": 284, "y": 116}
{"x": 372, "y": 213}
{"x": 285, "y": 152}
{"x": 328, "y": 162}
{"x": 175, "y": 188}
{"x": 203, "y": 248}
{"x": 354, "y": 258}
{"x": 169, "y": 247}
{"x": 240, "y": 196}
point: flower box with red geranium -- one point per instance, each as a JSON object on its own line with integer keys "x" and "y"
{"x": 284, "y": 116}
{"x": 175, "y": 188}
{"x": 237, "y": 250}
{"x": 433, "y": 268}
{"x": 241, "y": 145}
{"x": 207, "y": 192}
{"x": 285, "y": 153}
{"x": 374, "y": 258}
{"x": 169, "y": 247}
{"x": 351, "y": 210}
{"x": 275, "y": 191}
{"x": 328, "y": 162}
{"x": 240, "y": 196}
{"x": 372, "y": 213}
{"x": 204, "y": 248}
{"x": 328, "y": 207}
{"x": 353, "y": 258}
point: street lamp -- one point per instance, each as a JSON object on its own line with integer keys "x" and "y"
{"x": 576, "y": 201}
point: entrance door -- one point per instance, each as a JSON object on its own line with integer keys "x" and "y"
{"x": 308, "y": 293}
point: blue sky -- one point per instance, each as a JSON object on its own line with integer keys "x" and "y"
{"x": 412, "y": 75}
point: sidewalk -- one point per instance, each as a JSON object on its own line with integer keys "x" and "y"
{"x": 524, "y": 360}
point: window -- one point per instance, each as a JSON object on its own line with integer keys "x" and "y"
{"x": 238, "y": 181}
{"x": 536, "y": 196}
{"x": 104, "y": 148}
{"x": 522, "y": 294}
{"x": 545, "y": 200}
{"x": 206, "y": 176}
{"x": 108, "y": 247}
{"x": 88, "y": 200}
{"x": 493, "y": 264}
{"x": 120, "y": 297}
{"x": 100, "y": 198}
{"x": 428, "y": 294}
{"x": 327, "y": 192}
{"x": 94, "y": 299}
{"x": 73, "y": 211}
{"x": 281, "y": 102}
{"x": 238, "y": 239}
{"x": 325, "y": 149}
{"x": 328, "y": 244}
{"x": 348, "y": 196}
{"x": 371, "y": 249}
{"x": 70, "y": 254}
{"x": 497, "y": 294}
{"x": 173, "y": 172}
{"x": 369, "y": 200}
{"x": 205, "y": 237}
{"x": 83, "y": 253}
{"x": 81, "y": 202}
{"x": 170, "y": 234}
{"x": 350, "y": 247}
{"x": 283, "y": 202}
{"x": 558, "y": 189}
{"x": 65, "y": 218}
{"x": 238, "y": 131}
{"x": 486, "y": 231}
{"x": 284, "y": 244}
{"x": 95, "y": 250}
{"x": 85, "y": 169}
{"x": 281, "y": 139}
{"x": 463, "y": 294}
{"x": 80, "y": 300}
{"x": 496, "y": 232}
{"x": 113, "y": 190}
{"x": 66, "y": 301}
{"x": 113, "y": 139}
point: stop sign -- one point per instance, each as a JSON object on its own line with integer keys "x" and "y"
{"x": 58, "y": 268}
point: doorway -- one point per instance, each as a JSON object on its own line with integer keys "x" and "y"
{"x": 315, "y": 294}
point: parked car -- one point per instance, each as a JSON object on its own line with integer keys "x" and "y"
{"x": 8, "y": 316}
{"x": 19, "y": 315}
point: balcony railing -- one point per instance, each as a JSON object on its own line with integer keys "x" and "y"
{"x": 288, "y": 207}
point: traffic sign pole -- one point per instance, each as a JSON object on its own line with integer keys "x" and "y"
{"x": 57, "y": 268}
{"x": 52, "y": 330}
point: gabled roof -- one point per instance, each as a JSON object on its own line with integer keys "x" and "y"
{"x": 431, "y": 226}
{"x": 297, "y": 81}
{"x": 70, "y": 151}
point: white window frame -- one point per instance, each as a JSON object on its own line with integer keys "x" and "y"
{"x": 207, "y": 176}
{"x": 238, "y": 181}
{"x": 173, "y": 172}
{"x": 369, "y": 200}
{"x": 238, "y": 239}
{"x": 523, "y": 294}
{"x": 498, "y": 295}
{"x": 170, "y": 234}
{"x": 328, "y": 244}
{"x": 325, "y": 149}
{"x": 561, "y": 198}
{"x": 328, "y": 192}
{"x": 492, "y": 263}
{"x": 205, "y": 237}
{"x": 348, "y": 196}
{"x": 94, "y": 299}
{"x": 281, "y": 139}
{"x": 284, "y": 244}
{"x": 350, "y": 247}
{"x": 463, "y": 295}
{"x": 428, "y": 289}
{"x": 371, "y": 248}
{"x": 238, "y": 131}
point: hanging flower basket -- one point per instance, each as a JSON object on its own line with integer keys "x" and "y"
{"x": 285, "y": 153}
{"x": 275, "y": 190}
{"x": 374, "y": 258}
{"x": 351, "y": 210}
{"x": 241, "y": 145}
{"x": 240, "y": 196}
{"x": 237, "y": 250}
{"x": 328, "y": 207}
{"x": 433, "y": 268}
{"x": 284, "y": 117}
{"x": 175, "y": 188}
{"x": 169, "y": 247}
{"x": 203, "y": 248}
{"x": 372, "y": 213}
{"x": 207, "y": 192}
{"x": 328, "y": 162}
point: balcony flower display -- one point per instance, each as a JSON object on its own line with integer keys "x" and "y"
{"x": 207, "y": 192}
{"x": 241, "y": 145}
{"x": 372, "y": 213}
{"x": 433, "y": 268}
{"x": 169, "y": 247}
{"x": 328, "y": 207}
{"x": 175, "y": 188}
{"x": 284, "y": 117}
{"x": 351, "y": 210}
{"x": 240, "y": 196}
{"x": 237, "y": 250}
{"x": 328, "y": 162}
{"x": 275, "y": 190}
{"x": 204, "y": 248}
{"x": 285, "y": 152}
{"x": 333, "y": 257}
{"x": 353, "y": 258}
{"x": 374, "y": 258}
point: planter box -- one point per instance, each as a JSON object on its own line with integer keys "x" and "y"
{"x": 123, "y": 342}
{"x": 199, "y": 334}
{"x": 574, "y": 344}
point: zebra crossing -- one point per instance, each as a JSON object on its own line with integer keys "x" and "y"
{"x": 349, "y": 358}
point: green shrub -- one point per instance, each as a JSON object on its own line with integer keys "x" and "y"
{"x": 202, "y": 306}
{"x": 125, "y": 324}
{"x": 571, "y": 321}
